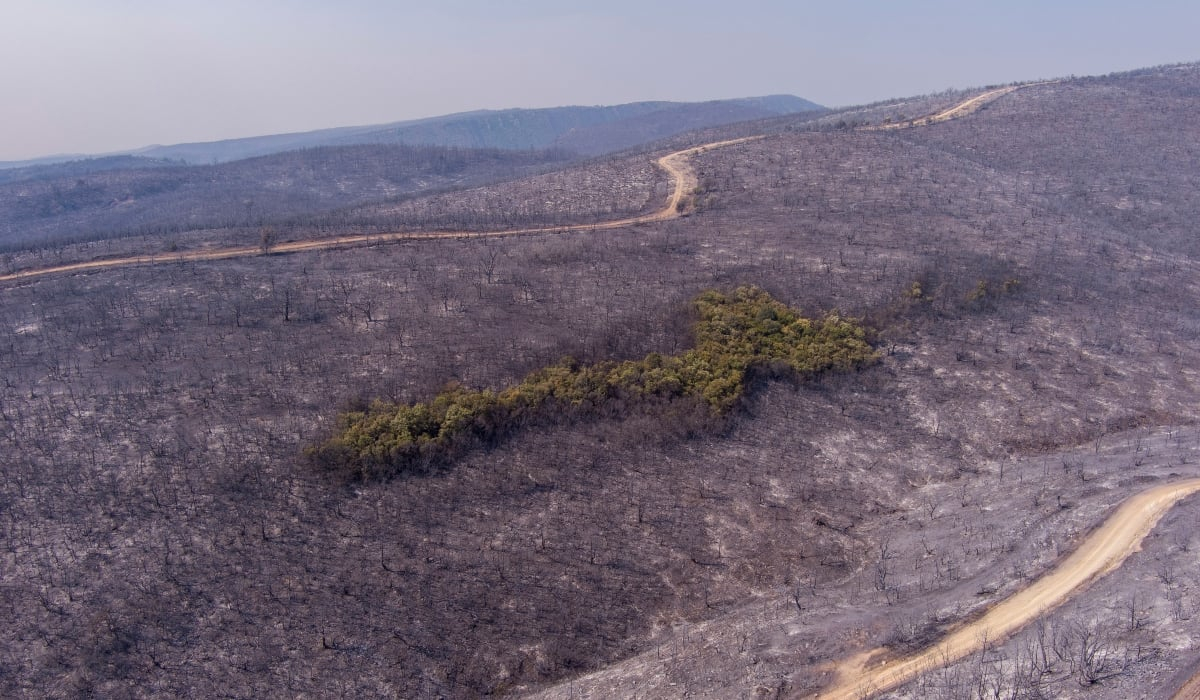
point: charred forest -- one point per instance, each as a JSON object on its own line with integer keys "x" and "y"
{"x": 1028, "y": 277}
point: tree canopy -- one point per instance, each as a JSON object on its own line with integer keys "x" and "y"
{"x": 736, "y": 334}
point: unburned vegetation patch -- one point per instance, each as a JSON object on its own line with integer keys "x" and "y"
{"x": 738, "y": 335}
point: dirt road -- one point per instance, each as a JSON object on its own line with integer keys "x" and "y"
{"x": 675, "y": 164}
{"x": 1190, "y": 690}
{"x": 961, "y": 109}
{"x": 1104, "y": 550}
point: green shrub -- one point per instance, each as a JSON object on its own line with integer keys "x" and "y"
{"x": 736, "y": 335}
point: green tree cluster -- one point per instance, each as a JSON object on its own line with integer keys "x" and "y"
{"x": 737, "y": 335}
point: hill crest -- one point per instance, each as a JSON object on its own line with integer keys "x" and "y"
{"x": 589, "y": 130}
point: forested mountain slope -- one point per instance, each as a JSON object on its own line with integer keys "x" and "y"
{"x": 68, "y": 203}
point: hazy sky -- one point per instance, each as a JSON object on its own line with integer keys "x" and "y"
{"x": 89, "y": 76}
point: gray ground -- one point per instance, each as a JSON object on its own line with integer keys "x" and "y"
{"x": 951, "y": 550}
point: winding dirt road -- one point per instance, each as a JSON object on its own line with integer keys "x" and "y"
{"x": 1104, "y": 550}
{"x": 675, "y": 164}
{"x": 961, "y": 109}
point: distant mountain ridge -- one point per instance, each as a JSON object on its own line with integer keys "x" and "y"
{"x": 584, "y": 130}
{"x": 118, "y": 195}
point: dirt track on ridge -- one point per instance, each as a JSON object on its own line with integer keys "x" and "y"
{"x": 675, "y": 164}
{"x": 1103, "y": 551}
{"x": 1189, "y": 691}
{"x": 961, "y": 109}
